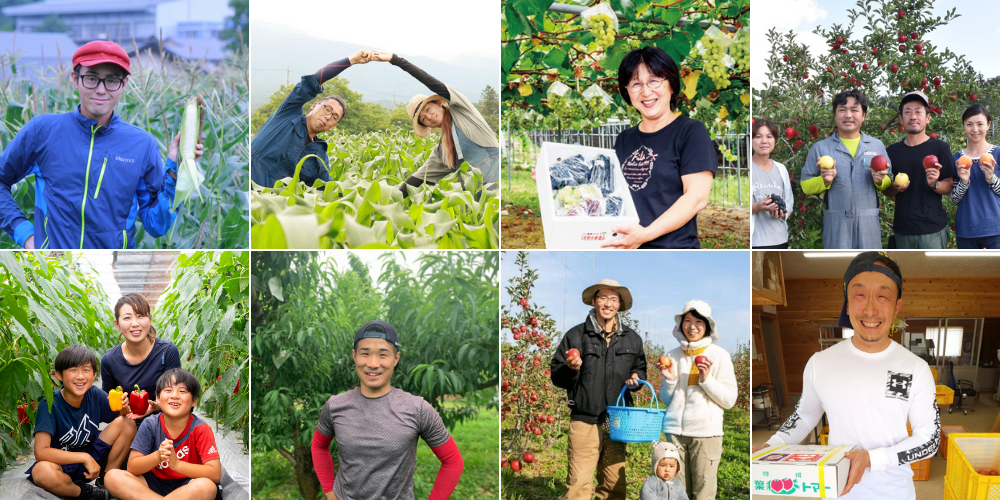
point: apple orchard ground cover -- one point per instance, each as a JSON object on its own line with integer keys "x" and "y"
{"x": 884, "y": 51}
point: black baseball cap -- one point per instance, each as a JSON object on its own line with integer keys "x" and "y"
{"x": 377, "y": 330}
{"x": 865, "y": 262}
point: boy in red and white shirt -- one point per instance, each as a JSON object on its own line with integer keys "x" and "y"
{"x": 173, "y": 452}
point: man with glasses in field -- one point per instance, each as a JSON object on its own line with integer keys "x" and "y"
{"x": 95, "y": 175}
{"x": 288, "y": 136}
{"x": 594, "y": 360}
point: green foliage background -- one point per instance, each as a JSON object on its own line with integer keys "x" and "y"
{"x": 306, "y": 312}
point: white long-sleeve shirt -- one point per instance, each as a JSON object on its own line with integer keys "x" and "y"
{"x": 697, "y": 410}
{"x": 868, "y": 398}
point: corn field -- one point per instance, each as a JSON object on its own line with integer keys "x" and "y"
{"x": 362, "y": 207}
{"x": 154, "y": 99}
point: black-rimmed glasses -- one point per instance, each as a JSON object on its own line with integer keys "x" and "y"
{"x": 111, "y": 83}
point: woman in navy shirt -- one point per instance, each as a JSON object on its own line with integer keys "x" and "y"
{"x": 668, "y": 161}
{"x": 141, "y": 358}
{"x": 977, "y": 187}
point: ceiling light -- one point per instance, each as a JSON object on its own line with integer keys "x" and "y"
{"x": 830, "y": 254}
{"x": 953, "y": 253}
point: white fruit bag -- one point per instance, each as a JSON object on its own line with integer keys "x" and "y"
{"x": 601, "y": 8}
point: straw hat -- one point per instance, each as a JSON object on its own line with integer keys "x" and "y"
{"x": 413, "y": 109}
{"x": 626, "y": 295}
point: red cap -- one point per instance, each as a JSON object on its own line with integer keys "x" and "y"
{"x": 99, "y": 52}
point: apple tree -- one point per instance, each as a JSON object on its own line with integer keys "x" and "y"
{"x": 884, "y": 50}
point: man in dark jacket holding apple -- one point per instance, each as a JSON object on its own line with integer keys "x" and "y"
{"x": 594, "y": 360}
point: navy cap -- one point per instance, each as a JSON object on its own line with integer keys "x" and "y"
{"x": 865, "y": 262}
{"x": 377, "y": 330}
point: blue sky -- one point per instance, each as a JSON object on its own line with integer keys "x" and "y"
{"x": 975, "y": 16}
{"x": 660, "y": 282}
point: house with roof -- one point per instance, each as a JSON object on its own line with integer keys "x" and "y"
{"x": 35, "y": 54}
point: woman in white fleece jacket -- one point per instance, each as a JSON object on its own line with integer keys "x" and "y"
{"x": 697, "y": 386}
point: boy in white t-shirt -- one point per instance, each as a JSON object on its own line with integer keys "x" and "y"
{"x": 869, "y": 386}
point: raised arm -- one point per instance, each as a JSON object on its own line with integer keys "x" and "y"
{"x": 432, "y": 83}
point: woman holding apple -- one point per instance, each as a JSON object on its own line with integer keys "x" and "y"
{"x": 977, "y": 187}
{"x": 698, "y": 385}
{"x": 772, "y": 190}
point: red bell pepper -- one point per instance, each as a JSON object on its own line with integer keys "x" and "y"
{"x": 138, "y": 401}
{"x": 22, "y": 414}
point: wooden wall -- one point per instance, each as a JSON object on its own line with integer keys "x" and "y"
{"x": 813, "y": 302}
{"x": 758, "y": 367}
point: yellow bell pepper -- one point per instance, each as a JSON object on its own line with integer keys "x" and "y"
{"x": 115, "y": 399}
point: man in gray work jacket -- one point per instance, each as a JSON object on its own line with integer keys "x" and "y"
{"x": 850, "y": 188}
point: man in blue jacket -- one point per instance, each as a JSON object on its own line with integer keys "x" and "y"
{"x": 95, "y": 175}
{"x": 288, "y": 135}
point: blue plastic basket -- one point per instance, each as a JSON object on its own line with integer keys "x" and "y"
{"x": 635, "y": 425}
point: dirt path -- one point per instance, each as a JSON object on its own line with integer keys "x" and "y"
{"x": 718, "y": 227}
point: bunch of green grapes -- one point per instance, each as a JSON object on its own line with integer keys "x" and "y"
{"x": 599, "y": 109}
{"x": 704, "y": 111}
{"x": 603, "y": 28}
{"x": 740, "y": 50}
{"x": 716, "y": 70}
{"x": 567, "y": 109}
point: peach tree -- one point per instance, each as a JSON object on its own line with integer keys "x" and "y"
{"x": 884, "y": 51}
{"x": 547, "y": 45}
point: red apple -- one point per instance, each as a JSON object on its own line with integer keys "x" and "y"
{"x": 914, "y": 35}
{"x": 789, "y": 132}
{"x": 902, "y": 47}
{"x": 700, "y": 359}
{"x": 528, "y": 457}
{"x": 875, "y": 51}
{"x": 665, "y": 361}
{"x": 864, "y": 66}
{"x": 919, "y": 47}
{"x": 933, "y": 134}
{"x": 550, "y": 419}
{"x": 836, "y": 46}
{"x": 901, "y": 38}
{"x": 901, "y": 14}
{"x": 937, "y": 81}
{"x": 972, "y": 97}
{"x": 929, "y": 162}
{"x": 515, "y": 465}
{"x": 894, "y": 68}
{"x": 840, "y": 40}
{"x": 572, "y": 353}
{"x": 813, "y": 130}
{"x": 879, "y": 163}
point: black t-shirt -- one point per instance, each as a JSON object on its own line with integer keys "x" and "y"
{"x": 653, "y": 164}
{"x": 918, "y": 209}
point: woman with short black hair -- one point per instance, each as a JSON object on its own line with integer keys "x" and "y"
{"x": 977, "y": 187}
{"x": 668, "y": 160}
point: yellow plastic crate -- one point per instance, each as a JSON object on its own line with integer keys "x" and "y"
{"x": 921, "y": 469}
{"x": 934, "y": 373}
{"x": 945, "y": 395}
{"x": 824, "y": 435}
{"x": 948, "y": 493}
{"x": 967, "y": 453}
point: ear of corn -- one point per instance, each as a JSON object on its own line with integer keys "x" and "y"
{"x": 189, "y": 177}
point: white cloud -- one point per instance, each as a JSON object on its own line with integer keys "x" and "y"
{"x": 800, "y": 16}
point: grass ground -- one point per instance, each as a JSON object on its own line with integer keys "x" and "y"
{"x": 545, "y": 479}
{"x": 719, "y": 226}
{"x": 478, "y": 440}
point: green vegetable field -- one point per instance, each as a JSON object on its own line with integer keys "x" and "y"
{"x": 362, "y": 207}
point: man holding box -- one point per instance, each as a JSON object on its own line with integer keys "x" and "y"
{"x": 849, "y": 184}
{"x": 869, "y": 387}
{"x": 594, "y": 360}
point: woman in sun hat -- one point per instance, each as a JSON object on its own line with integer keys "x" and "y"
{"x": 468, "y": 138}
{"x": 697, "y": 386}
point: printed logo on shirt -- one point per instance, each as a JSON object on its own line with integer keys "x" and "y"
{"x": 927, "y": 449}
{"x": 897, "y": 386}
{"x": 212, "y": 450}
{"x": 638, "y": 167}
{"x": 80, "y": 435}
{"x": 127, "y": 160}
{"x": 792, "y": 420}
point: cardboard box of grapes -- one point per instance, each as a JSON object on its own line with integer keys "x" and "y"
{"x": 579, "y": 231}
{"x": 800, "y": 471}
